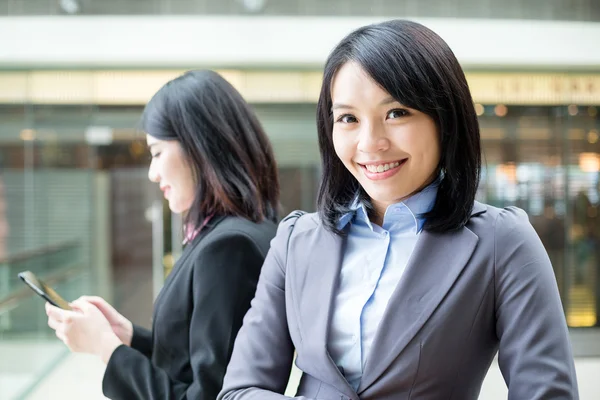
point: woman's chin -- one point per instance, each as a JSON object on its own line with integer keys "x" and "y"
{"x": 175, "y": 208}
{"x": 178, "y": 208}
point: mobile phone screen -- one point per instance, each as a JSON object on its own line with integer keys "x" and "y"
{"x": 45, "y": 291}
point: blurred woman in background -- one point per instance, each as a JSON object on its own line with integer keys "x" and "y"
{"x": 215, "y": 166}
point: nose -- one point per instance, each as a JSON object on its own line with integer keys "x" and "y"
{"x": 153, "y": 173}
{"x": 372, "y": 138}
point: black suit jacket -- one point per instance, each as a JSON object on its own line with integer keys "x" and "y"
{"x": 196, "y": 317}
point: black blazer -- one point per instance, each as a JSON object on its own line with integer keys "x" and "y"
{"x": 196, "y": 317}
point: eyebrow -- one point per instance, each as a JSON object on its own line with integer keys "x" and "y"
{"x": 339, "y": 105}
{"x": 386, "y": 101}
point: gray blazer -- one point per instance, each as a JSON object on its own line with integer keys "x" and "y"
{"x": 464, "y": 296}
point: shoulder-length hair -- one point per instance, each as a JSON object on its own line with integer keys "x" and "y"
{"x": 416, "y": 67}
{"x": 230, "y": 154}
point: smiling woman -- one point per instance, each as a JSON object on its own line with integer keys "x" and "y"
{"x": 402, "y": 286}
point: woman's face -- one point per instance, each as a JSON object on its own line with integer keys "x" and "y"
{"x": 172, "y": 171}
{"x": 392, "y": 151}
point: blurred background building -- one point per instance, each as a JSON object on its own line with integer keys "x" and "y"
{"x": 75, "y": 203}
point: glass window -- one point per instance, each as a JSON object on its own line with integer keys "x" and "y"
{"x": 546, "y": 160}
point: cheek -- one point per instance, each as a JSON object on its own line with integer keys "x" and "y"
{"x": 426, "y": 145}
{"x": 434, "y": 149}
{"x": 342, "y": 147}
{"x": 186, "y": 182}
{"x": 191, "y": 186}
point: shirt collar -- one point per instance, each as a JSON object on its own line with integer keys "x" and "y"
{"x": 418, "y": 204}
{"x": 190, "y": 234}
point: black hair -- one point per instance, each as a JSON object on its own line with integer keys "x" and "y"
{"x": 416, "y": 67}
{"x": 230, "y": 154}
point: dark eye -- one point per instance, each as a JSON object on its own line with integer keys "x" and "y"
{"x": 346, "y": 119}
{"x": 397, "y": 113}
{"x": 155, "y": 155}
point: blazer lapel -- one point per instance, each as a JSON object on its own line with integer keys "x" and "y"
{"x": 318, "y": 281}
{"x": 434, "y": 266}
{"x": 188, "y": 250}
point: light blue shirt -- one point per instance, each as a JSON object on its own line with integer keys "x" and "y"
{"x": 373, "y": 263}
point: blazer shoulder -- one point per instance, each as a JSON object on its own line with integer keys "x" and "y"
{"x": 506, "y": 226}
{"x": 299, "y": 221}
{"x": 232, "y": 224}
{"x": 295, "y": 222}
{"x": 512, "y": 225}
{"x": 231, "y": 227}
{"x": 488, "y": 214}
{"x": 502, "y": 217}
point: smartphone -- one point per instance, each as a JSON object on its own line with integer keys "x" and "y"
{"x": 45, "y": 291}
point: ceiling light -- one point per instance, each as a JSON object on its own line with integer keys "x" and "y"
{"x": 69, "y": 6}
{"x": 253, "y": 5}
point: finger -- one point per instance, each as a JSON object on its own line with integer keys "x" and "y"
{"x": 99, "y": 303}
{"x": 61, "y": 316}
{"x": 54, "y": 324}
{"x": 95, "y": 300}
{"x": 47, "y": 307}
{"x": 54, "y": 312}
{"x": 82, "y": 306}
{"x": 59, "y": 334}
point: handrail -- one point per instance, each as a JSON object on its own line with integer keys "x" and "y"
{"x": 22, "y": 256}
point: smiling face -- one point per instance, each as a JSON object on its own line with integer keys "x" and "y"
{"x": 393, "y": 151}
{"x": 171, "y": 170}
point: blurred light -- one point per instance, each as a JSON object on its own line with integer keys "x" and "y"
{"x": 69, "y": 6}
{"x": 593, "y": 136}
{"x": 479, "y": 109}
{"x": 99, "y": 135}
{"x": 501, "y": 110}
{"x": 592, "y": 111}
{"x": 27, "y": 135}
{"x": 523, "y": 173}
{"x": 253, "y": 5}
{"x": 507, "y": 171}
{"x": 573, "y": 110}
{"x": 589, "y": 162}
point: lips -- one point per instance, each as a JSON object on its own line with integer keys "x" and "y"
{"x": 165, "y": 190}
{"x": 381, "y": 166}
{"x": 381, "y": 170}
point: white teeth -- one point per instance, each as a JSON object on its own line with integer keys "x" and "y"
{"x": 381, "y": 167}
